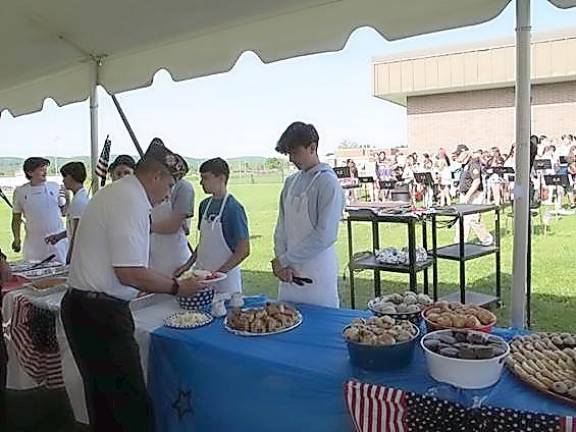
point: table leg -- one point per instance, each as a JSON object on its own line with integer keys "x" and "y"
{"x": 351, "y": 264}
{"x": 498, "y": 256}
{"x": 412, "y": 254}
{"x": 529, "y": 277}
{"x": 462, "y": 262}
{"x": 425, "y": 246}
{"x": 375, "y": 247}
{"x": 435, "y": 262}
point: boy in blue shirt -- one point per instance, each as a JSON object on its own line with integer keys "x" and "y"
{"x": 224, "y": 237}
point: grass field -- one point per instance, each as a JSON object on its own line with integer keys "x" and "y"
{"x": 554, "y": 298}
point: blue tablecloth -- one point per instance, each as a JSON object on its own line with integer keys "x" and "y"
{"x": 207, "y": 379}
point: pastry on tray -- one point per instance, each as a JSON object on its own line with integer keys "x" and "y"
{"x": 546, "y": 361}
{"x": 273, "y": 317}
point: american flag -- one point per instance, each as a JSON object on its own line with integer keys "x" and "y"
{"x": 33, "y": 334}
{"x": 375, "y": 408}
{"x": 102, "y": 165}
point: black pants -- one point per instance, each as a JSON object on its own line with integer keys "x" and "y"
{"x": 100, "y": 332}
{"x": 3, "y": 372}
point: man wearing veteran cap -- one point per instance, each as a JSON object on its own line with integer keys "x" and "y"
{"x": 471, "y": 191}
{"x": 109, "y": 268}
{"x": 38, "y": 202}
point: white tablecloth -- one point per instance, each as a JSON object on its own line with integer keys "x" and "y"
{"x": 148, "y": 313}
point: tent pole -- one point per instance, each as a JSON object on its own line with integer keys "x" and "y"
{"x": 127, "y": 125}
{"x": 522, "y": 179}
{"x": 94, "y": 123}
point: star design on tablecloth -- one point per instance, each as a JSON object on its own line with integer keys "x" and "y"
{"x": 182, "y": 404}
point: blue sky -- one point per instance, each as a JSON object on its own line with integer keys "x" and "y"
{"x": 242, "y": 112}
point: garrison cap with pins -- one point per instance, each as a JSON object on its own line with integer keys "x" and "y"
{"x": 175, "y": 163}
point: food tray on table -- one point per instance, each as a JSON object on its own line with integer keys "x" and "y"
{"x": 21, "y": 266}
{"x": 407, "y": 306}
{"x": 38, "y": 273}
{"x": 48, "y": 284}
{"x": 547, "y": 363}
{"x": 273, "y": 318}
{"x": 187, "y": 320}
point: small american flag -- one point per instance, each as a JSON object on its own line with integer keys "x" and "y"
{"x": 375, "y": 408}
{"x": 32, "y": 331}
{"x": 102, "y": 165}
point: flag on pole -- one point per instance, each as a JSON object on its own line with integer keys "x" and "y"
{"x": 102, "y": 165}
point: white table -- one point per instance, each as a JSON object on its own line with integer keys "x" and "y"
{"x": 148, "y": 313}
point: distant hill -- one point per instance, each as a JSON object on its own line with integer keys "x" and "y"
{"x": 10, "y": 166}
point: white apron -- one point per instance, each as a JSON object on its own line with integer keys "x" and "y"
{"x": 43, "y": 218}
{"x": 168, "y": 252}
{"x": 213, "y": 251}
{"x": 322, "y": 269}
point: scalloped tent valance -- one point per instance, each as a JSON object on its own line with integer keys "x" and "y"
{"x": 47, "y": 49}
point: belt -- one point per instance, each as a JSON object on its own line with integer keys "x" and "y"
{"x": 93, "y": 295}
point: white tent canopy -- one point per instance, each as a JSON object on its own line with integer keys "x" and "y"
{"x": 47, "y": 47}
{"x": 63, "y": 48}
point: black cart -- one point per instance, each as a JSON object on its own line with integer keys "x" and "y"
{"x": 462, "y": 252}
{"x": 370, "y": 263}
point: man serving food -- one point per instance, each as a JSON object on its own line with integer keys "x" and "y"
{"x": 109, "y": 268}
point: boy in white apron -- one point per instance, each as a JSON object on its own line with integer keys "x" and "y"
{"x": 39, "y": 202}
{"x": 311, "y": 205}
{"x": 224, "y": 238}
{"x": 169, "y": 249}
{"x": 73, "y": 176}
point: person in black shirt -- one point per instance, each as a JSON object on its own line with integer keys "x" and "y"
{"x": 471, "y": 191}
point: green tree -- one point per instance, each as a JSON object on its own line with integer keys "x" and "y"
{"x": 274, "y": 163}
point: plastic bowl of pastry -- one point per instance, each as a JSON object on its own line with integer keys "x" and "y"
{"x": 407, "y": 306}
{"x": 444, "y": 316}
{"x": 465, "y": 358}
{"x": 381, "y": 343}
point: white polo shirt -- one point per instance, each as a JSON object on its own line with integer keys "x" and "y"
{"x": 114, "y": 231}
{"x": 76, "y": 209}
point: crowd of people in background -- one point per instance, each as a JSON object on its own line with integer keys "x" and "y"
{"x": 395, "y": 170}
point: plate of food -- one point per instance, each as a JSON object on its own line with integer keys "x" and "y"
{"x": 546, "y": 362}
{"x": 39, "y": 273}
{"x": 187, "y": 320}
{"x": 444, "y": 315}
{"x": 273, "y": 318}
{"x": 407, "y": 306}
{"x": 205, "y": 276}
{"x": 48, "y": 284}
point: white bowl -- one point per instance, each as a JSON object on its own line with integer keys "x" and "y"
{"x": 466, "y": 374}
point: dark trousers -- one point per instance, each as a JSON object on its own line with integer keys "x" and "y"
{"x": 100, "y": 332}
{"x": 3, "y": 372}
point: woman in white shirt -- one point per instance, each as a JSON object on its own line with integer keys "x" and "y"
{"x": 74, "y": 176}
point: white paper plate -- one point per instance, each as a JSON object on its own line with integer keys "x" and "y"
{"x": 173, "y": 321}
{"x": 247, "y": 333}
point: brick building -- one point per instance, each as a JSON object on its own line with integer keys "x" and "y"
{"x": 466, "y": 94}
